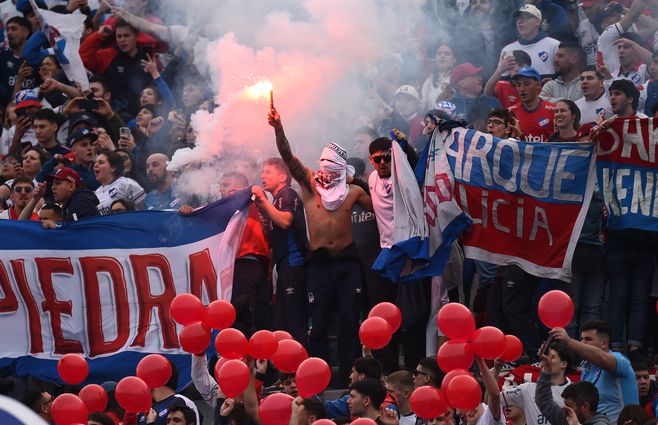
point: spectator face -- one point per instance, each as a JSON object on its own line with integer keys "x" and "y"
{"x": 31, "y": 163}
{"x": 590, "y": 84}
{"x": 47, "y": 68}
{"x": 127, "y": 163}
{"x": 46, "y": 404}
{"x": 49, "y": 215}
{"x": 144, "y": 117}
{"x": 357, "y": 403}
{"x": 190, "y": 135}
{"x": 564, "y": 61}
{"x": 229, "y": 186}
{"x": 400, "y": 394}
{"x": 406, "y": 105}
{"x": 192, "y": 95}
{"x": 118, "y": 208}
{"x": 421, "y": 377}
{"x": 469, "y": 417}
{"x": 514, "y": 413}
{"x": 62, "y": 190}
{"x": 16, "y": 35}
{"x": 480, "y": 7}
{"x": 8, "y": 168}
{"x": 620, "y": 103}
{"x": 21, "y": 194}
{"x": 98, "y": 90}
{"x": 643, "y": 382}
{"x": 563, "y": 118}
{"x": 272, "y": 178}
{"x": 444, "y": 58}
{"x": 176, "y": 418}
{"x": 555, "y": 362}
{"x": 448, "y": 418}
{"x": 354, "y": 376}
{"x": 103, "y": 171}
{"x": 126, "y": 40}
{"x": 290, "y": 386}
{"x": 11, "y": 113}
{"x": 44, "y": 130}
{"x": 528, "y": 89}
{"x": 156, "y": 169}
{"x": 527, "y": 26}
{"x": 610, "y": 20}
{"x": 470, "y": 86}
{"x": 83, "y": 151}
{"x": 578, "y": 409}
{"x": 496, "y": 126}
{"x": 381, "y": 161}
{"x": 148, "y": 97}
{"x": 592, "y": 11}
{"x": 428, "y": 126}
{"x": 592, "y": 337}
{"x": 34, "y": 21}
{"x": 627, "y": 55}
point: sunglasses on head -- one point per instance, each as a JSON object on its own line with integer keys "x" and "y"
{"x": 26, "y": 189}
{"x": 379, "y": 158}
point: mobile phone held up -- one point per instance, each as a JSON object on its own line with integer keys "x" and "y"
{"x": 88, "y": 104}
{"x": 147, "y": 51}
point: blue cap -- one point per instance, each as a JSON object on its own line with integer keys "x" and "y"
{"x": 527, "y": 71}
{"x": 81, "y": 133}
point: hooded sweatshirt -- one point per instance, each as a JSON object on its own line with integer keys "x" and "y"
{"x": 82, "y": 204}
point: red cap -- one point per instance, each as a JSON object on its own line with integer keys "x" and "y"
{"x": 586, "y": 3}
{"x": 66, "y": 174}
{"x": 462, "y": 71}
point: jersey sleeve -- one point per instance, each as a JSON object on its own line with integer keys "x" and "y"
{"x": 135, "y": 192}
{"x": 512, "y": 397}
{"x": 288, "y": 201}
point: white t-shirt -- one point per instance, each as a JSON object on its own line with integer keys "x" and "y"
{"x": 381, "y": 191}
{"x": 590, "y": 110}
{"x": 523, "y": 397}
{"x": 488, "y": 419}
{"x": 542, "y": 53}
{"x": 121, "y": 188}
{"x": 409, "y": 419}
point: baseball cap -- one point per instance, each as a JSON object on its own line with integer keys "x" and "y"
{"x": 529, "y": 9}
{"x": 83, "y": 117}
{"x": 408, "y": 90}
{"x": 462, "y": 71}
{"x": 587, "y": 3}
{"x": 527, "y": 71}
{"x": 26, "y": 98}
{"x": 80, "y": 134}
{"x": 613, "y": 8}
{"x": 65, "y": 174}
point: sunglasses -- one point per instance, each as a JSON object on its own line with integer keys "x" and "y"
{"x": 418, "y": 372}
{"x": 379, "y": 158}
{"x": 26, "y": 189}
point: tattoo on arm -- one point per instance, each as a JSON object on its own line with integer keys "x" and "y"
{"x": 297, "y": 169}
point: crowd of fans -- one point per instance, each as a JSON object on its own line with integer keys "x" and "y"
{"x": 543, "y": 71}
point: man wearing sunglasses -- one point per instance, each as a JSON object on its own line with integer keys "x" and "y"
{"x": 22, "y": 191}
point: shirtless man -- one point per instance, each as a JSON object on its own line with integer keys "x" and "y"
{"x": 334, "y": 270}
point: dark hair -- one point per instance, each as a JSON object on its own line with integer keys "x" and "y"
{"x": 640, "y": 364}
{"x": 121, "y": 23}
{"x": 238, "y": 415}
{"x": 575, "y": 111}
{"x": 401, "y": 379}
{"x": 565, "y": 354}
{"x": 47, "y": 115}
{"x": 582, "y": 392}
{"x": 19, "y": 20}
{"x": 367, "y": 130}
{"x": 628, "y": 88}
{"x": 358, "y": 164}
{"x": 522, "y": 58}
{"x": 101, "y": 418}
{"x": 53, "y": 207}
{"x": 501, "y": 113}
{"x": 435, "y": 75}
{"x": 633, "y": 37}
{"x": 315, "y": 408}
{"x": 156, "y": 92}
{"x": 103, "y": 82}
{"x": 633, "y": 414}
{"x": 23, "y": 180}
{"x": 32, "y": 398}
{"x": 54, "y": 59}
{"x": 435, "y": 372}
{"x": 369, "y": 366}
{"x": 128, "y": 205}
{"x": 602, "y": 328}
{"x": 371, "y": 388}
{"x": 130, "y": 156}
{"x": 281, "y": 167}
{"x": 382, "y": 144}
{"x": 173, "y": 381}
{"x": 188, "y": 413}
{"x": 575, "y": 49}
{"x": 44, "y": 155}
{"x": 238, "y": 176}
{"x": 594, "y": 69}
{"x": 150, "y": 108}
{"x": 115, "y": 160}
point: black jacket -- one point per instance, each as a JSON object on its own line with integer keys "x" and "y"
{"x": 82, "y": 204}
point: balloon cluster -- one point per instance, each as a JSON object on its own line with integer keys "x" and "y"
{"x": 383, "y": 321}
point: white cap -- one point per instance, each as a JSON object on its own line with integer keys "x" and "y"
{"x": 408, "y": 90}
{"x": 530, "y": 9}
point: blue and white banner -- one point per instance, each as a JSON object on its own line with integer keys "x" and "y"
{"x": 103, "y": 286}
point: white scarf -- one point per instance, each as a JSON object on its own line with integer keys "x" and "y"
{"x": 331, "y": 179}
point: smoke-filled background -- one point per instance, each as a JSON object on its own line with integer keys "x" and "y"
{"x": 320, "y": 57}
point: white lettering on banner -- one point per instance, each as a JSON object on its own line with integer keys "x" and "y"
{"x": 510, "y": 173}
{"x": 644, "y": 197}
{"x": 494, "y": 212}
{"x": 541, "y": 221}
{"x": 632, "y": 140}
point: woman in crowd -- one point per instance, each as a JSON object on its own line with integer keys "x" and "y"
{"x": 109, "y": 172}
{"x": 444, "y": 61}
{"x": 567, "y": 123}
{"x": 33, "y": 160}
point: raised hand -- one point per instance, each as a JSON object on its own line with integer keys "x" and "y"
{"x": 273, "y": 118}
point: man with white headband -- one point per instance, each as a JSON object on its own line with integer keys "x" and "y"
{"x": 333, "y": 266}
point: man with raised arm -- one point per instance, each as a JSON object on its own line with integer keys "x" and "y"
{"x": 334, "y": 270}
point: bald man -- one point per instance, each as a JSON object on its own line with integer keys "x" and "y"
{"x": 161, "y": 197}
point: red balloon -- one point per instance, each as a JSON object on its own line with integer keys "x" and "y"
{"x": 375, "y": 333}
{"x": 186, "y": 308}
{"x": 488, "y": 342}
{"x": 363, "y": 421}
{"x": 427, "y": 403}
{"x": 231, "y": 343}
{"x": 219, "y": 314}
{"x": 194, "y": 338}
{"x": 324, "y": 422}
{"x": 133, "y": 395}
{"x": 389, "y": 312}
{"x": 312, "y": 377}
{"x": 513, "y": 349}
{"x": 94, "y": 397}
{"x": 276, "y": 409}
{"x": 281, "y": 335}
{"x": 155, "y": 370}
{"x": 289, "y": 355}
{"x": 262, "y": 345}
{"x": 72, "y": 368}
{"x": 68, "y": 409}
{"x": 455, "y": 355}
{"x": 464, "y": 392}
{"x": 446, "y": 381}
{"x": 555, "y": 309}
{"x": 232, "y": 377}
{"x": 456, "y": 321}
